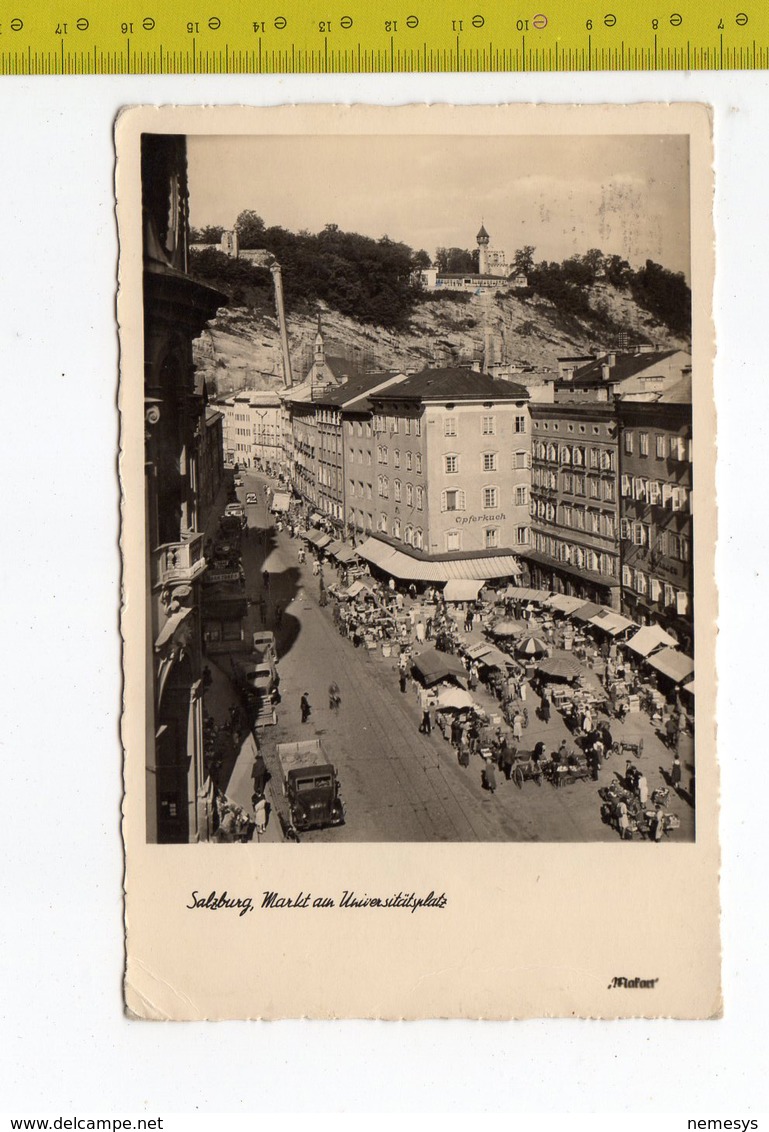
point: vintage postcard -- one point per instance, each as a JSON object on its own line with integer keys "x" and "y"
{"x": 419, "y": 519}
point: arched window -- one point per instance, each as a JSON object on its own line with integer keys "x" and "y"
{"x": 397, "y": 527}
{"x": 409, "y": 495}
{"x": 418, "y": 539}
{"x": 397, "y": 490}
{"x": 408, "y": 535}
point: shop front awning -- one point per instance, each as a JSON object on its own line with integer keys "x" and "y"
{"x": 281, "y": 501}
{"x": 462, "y": 589}
{"x": 408, "y": 569}
{"x": 611, "y": 622}
{"x": 586, "y": 612}
{"x": 677, "y": 666}
{"x": 647, "y": 639}
{"x": 318, "y": 538}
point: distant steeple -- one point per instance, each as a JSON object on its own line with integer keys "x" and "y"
{"x": 483, "y": 251}
{"x": 320, "y": 346}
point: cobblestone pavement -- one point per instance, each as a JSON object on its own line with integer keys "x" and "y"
{"x": 397, "y": 784}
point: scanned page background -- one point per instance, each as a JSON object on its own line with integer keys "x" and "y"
{"x": 529, "y": 930}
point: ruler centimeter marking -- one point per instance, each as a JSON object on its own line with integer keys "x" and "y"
{"x": 86, "y": 37}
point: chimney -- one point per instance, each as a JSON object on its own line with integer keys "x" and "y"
{"x": 612, "y": 359}
{"x": 605, "y": 372}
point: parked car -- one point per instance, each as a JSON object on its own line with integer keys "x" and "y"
{"x": 238, "y": 481}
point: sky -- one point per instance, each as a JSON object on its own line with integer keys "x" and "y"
{"x": 626, "y": 195}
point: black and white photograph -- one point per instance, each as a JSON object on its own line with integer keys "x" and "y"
{"x": 419, "y": 488}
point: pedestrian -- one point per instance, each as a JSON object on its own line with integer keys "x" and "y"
{"x": 426, "y": 725}
{"x": 676, "y": 773}
{"x": 490, "y": 777}
{"x": 642, "y": 789}
{"x": 304, "y": 706}
{"x": 658, "y": 825}
{"x": 544, "y": 710}
{"x": 506, "y": 759}
{"x": 468, "y": 622}
{"x": 518, "y": 727}
{"x": 266, "y": 579}
{"x": 334, "y": 696}
{"x": 587, "y": 722}
{"x": 259, "y": 774}
{"x": 261, "y": 814}
{"x": 623, "y": 822}
{"x": 403, "y": 679}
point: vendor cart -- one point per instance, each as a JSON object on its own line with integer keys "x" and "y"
{"x": 526, "y": 769}
{"x": 575, "y": 769}
{"x": 627, "y": 746}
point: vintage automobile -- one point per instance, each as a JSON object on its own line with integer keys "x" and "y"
{"x": 310, "y": 785}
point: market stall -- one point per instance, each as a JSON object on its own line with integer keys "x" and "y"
{"x": 432, "y": 666}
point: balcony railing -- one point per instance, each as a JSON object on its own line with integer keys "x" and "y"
{"x": 179, "y": 562}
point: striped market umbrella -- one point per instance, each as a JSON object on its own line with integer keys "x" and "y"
{"x": 531, "y": 646}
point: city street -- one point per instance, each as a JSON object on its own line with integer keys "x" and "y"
{"x": 397, "y": 784}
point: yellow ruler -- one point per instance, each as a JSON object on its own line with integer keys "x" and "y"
{"x": 109, "y": 37}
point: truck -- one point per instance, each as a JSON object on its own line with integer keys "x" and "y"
{"x": 310, "y": 785}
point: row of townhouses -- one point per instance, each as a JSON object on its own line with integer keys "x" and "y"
{"x": 451, "y": 472}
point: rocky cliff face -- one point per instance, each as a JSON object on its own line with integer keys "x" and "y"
{"x": 240, "y": 349}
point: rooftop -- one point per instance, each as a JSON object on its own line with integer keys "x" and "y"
{"x": 625, "y": 366}
{"x": 453, "y": 385}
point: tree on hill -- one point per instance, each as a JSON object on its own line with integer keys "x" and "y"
{"x": 210, "y": 234}
{"x": 665, "y": 294}
{"x": 523, "y": 260}
{"x": 456, "y": 261}
{"x": 250, "y": 229}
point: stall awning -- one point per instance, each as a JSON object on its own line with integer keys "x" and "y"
{"x": 281, "y": 501}
{"x": 495, "y": 658}
{"x": 433, "y": 666}
{"x": 522, "y": 593}
{"x": 672, "y": 663}
{"x": 462, "y": 589}
{"x": 649, "y": 638}
{"x": 611, "y": 622}
{"x": 406, "y": 568}
{"x": 689, "y": 687}
{"x": 587, "y": 611}
{"x": 345, "y": 554}
{"x": 313, "y": 535}
{"x": 564, "y": 603}
{"x": 475, "y": 652}
{"x": 355, "y": 589}
{"x": 334, "y": 547}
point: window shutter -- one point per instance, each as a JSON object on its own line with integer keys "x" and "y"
{"x": 682, "y": 602}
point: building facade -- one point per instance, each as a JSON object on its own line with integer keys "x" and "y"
{"x": 575, "y": 501}
{"x": 656, "y": 524}
{"x": 253, "y": 429}
{"x": 452, "y": 449}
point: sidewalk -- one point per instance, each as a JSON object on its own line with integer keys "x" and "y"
{"x": 236, "y": 780}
